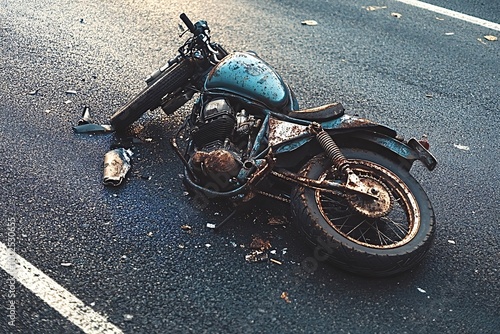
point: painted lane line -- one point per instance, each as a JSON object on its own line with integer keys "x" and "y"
{"x": 54, "y": 294}
{"x": 451, "y": 13}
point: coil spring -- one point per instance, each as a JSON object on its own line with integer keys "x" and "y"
{"x": 331, "y": 149}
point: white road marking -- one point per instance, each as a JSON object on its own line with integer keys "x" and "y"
{"x": 451, "y": 13}
{"x": 53, "y": 294}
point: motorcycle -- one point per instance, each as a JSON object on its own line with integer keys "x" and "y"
{"x": 346, "y": 178}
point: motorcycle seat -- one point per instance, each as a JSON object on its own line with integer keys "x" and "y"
{"x": 322, "y": 113}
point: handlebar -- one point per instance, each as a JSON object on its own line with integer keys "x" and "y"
{"x": 188, "y": 23}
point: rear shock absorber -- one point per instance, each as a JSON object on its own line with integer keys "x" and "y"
{"x": 331, "y": 148}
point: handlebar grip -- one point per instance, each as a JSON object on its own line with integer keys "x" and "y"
{"x": 187, "y": 22}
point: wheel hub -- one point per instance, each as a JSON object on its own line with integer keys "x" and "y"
{"x": 377, "y": 204}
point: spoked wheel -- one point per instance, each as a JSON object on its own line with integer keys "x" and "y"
{"x": 375, "y": 237}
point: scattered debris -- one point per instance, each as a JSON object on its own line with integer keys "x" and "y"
{"x": 259, "y": 244}
{"x": 396, "y": 15}
{"x": 491, "y": 38}
{"x": 481, "y": 41}
{"x": 34, "y": 92}
{"x": 128, "y": 317}
{"x": 211, "y": 225}
{"x": 86, "y": 125}
{"x": 66, "y": 264}
{"x": 421, "y": 290}
{"x": 284, "y": 296}
{"x": 86, "y": 118}
{"x": 116, "y": 166}
{"x": 67, "y": 102}
{"x": 309, "y": 23}
{"x": 82, "y": 21}
{"x": 256, "y": 256}
{"x": 150, "y": 234}
{"x": 276, "y": 261}
{"x": 208, "y": 245}
{"x": 451, "y": 242}
{"x": 186, "y": 227}
{"x": 373, "y": 8}
{"x": 439, "y": 18}
{"x": 71, "y": 92}
{"x": 277, "y": 221}
{"x": 449, "y": 33}
{"x": 181, "y": 246}
{"x": 430, "y": 96}
{"x": 462, "y": 147}
{"x": 92, "y": 128}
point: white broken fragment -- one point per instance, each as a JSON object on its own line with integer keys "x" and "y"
{"x": 396, "y": 15}
{"x": 462, "y": 147}
{"x": 372, "y": 8}
{"x": 128, "y": 317}
{"x": 309, "y": 23}
{"x": 211, "y": 225}
{"x": 449, "y": 33}
{"x": 491, "y": 38}
{"x": 421, "y": 290}
{"x": 66, "y": 264}
{"x": 71, "y": 92}
{"x": 451, "y": 242}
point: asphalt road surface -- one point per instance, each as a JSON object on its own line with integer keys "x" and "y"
{"x": 121, "y": 252}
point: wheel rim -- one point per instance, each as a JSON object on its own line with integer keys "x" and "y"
{"x": 395, "y": 229}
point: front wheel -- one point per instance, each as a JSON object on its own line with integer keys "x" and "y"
{"x": 150, "y": 98}
{"x": 357, "y": 241}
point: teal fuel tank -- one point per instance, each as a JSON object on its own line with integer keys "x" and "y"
{"x": 249, "y": 76}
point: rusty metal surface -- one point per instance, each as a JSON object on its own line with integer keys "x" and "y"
{"x": 281, "y": 131}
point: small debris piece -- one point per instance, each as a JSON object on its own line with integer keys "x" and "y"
{"x": 148, "y": 140}
{"x": 462, "y": 147}
{"x": 396, "y": 15}
{"x": 34, "y": 92}
{"x": 71, "y": 92}
{"x": 259, "y": 244}
{"x": 481, "y": 41}
{"x": 82, "y": 21}
{"x": 91, "y": 128}
{"x": 276, "y": 261}
{"x": 451, "y": 242}
{"x": 284, "y": 296}
{"x": 116, "y": 166}
{"x": 449, "y": 33}
{"x": 128, "y": 317}
{"x": 373, "y": 8}
{"x": 439, "y": 18}
{"x": 211, "y": 225}
{"x": 181, "y": 246}
{"x": 186, "y": 227}
{"x": 150, "y": 234}
{"x": 86, "y": 118}
{"x": 309, "y": 23}
{"x": 256, "y": 256}
{"x": 66, "y": 264}
{"x": 430, "y": 96}
{"x": 277, "y": 221}
{"x": 208, "y": 245}
{"x": 67, "y": 102}
{"x": 421, "y": 290}
{"x": 491, "y": 38}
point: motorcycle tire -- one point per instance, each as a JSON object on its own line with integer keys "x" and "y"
{"x": 150, "y": 98}
{"x": 368, "y": 246}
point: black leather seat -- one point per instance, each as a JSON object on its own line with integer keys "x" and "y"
{"x": 323, "y": 113}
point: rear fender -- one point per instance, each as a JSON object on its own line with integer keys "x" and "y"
{"x": 353, "y": 131}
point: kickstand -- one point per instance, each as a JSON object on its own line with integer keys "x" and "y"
{"x": 218, "y": 226}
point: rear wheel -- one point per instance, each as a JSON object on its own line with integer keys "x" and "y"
{"x": 150, "y": 98}
{"x": 366, "y": 242}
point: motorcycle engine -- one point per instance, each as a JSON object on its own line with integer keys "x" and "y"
{"x": 217, "y": 160}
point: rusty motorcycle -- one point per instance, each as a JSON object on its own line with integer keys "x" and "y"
{"x": 346, "y": 178}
